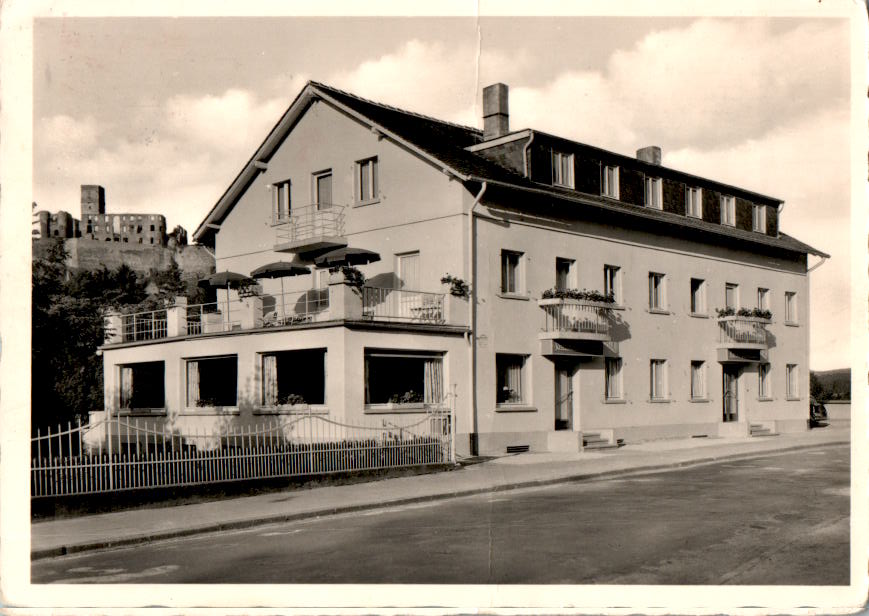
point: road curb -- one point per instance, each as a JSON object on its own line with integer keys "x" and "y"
{"x": 292, "y": 517}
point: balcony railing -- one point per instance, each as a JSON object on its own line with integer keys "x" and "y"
{"x": 309, "y": 225}
{"x": 150, "y": 325}
{"x": 576, "y": 319}
{"x": 745, "y": 332}
{"x": 402, "y": 304}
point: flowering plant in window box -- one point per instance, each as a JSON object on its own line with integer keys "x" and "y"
{"x": 508, "y": 395}
{"x": 579, "y": 294}
{"x": 292, "y": 399}
{"x": 408, "y": 397}
{"x": 754, "y": 313}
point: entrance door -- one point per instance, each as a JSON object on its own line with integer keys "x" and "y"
{"x": 564, "y": 397}
{"x": 730, "y": 392}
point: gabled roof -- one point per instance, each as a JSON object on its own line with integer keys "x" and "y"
{"x": 443, "y": 145}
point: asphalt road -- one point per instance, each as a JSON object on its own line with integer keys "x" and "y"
{"x": 781, "y": 519}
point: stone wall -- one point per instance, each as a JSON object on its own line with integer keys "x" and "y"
{"x": 93, "y": 254}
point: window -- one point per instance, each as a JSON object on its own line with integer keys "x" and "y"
{"x": 698, "y": 296}
{"x": 612, "y": 282}
{"x": 611, "y": 182}
{"x": 212, "y": 381}
{"x": 294, "y": 377}
{"x": 731, "y": 295}
{"x": 403, "y": 377}
{"x": 562, "y": 169}
{"x": 152, "y": 227}
{"x": 657, "y": 296}
{"x": 758, "y": 218}
{"x": 790, "y": 307}
{"x": 142, "y": 386}
{"x": 694, "y": 202}
{"x": 281, "y": 201}
{"x": 511, "y": 379}
{"x": 658, "y": 379}
{"x": 510, "y": 272}
{"x": 698, "y": 380}
{"x": 613, "y": 378}
{"x": 763, "y": 388}
{"x": 564, "y": 273}
{"x": 322, "y": 189}
{"x": 654, "y": 193}
{"x": 762, "y": 298}
{"x": 793, "y": 385}
{"x": 366, "y": 180}
{"x": 728, "y": 210}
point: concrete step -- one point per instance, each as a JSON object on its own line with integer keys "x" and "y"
{"x": 600, "y": 445}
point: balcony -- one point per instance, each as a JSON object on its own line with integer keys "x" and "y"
{"x": 339, "y": 301}
{"x": 575, "y": 319}
{"x": 735, "y": 332}
{"x": 316, "y": 227}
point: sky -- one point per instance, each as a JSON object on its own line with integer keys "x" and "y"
{"x": 163, "y": 112}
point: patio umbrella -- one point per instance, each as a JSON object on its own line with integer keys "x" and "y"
{"x": 280, "y": 269}
{"x": 224, "y": 280}
{"x": 346, "y": 256}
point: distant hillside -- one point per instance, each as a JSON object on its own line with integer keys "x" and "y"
{"x": 831, "y": 384}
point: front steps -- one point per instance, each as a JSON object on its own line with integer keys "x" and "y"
{"x": 593, "y": 440}
{"x": 760, "y": 430}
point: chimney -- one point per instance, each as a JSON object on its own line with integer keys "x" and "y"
{"x": 93, "y": 199}
{"x": 496, "y": 117}
{"x": 650, "y": 154}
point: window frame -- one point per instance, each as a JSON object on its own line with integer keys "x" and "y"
{"x": 763, "y": 298}
{"x": 373, "y": 196}
{"x": 559, "y": 159}
{"x": 654, "y": 394}
{"x": 518, "y": 278}
{"x": 703, "y": 394}
{"x": 263, "y": 385}
{"x": 198, "y": 407}
{"x": 281, "y": 196}
{"x": 436, "y": 398}
{"x": 758, "y": 218}
{"x": 122, "y": 394}
{"x": 619, "y": 393}
{"x": 728, "y": 210}
{"x": 792, "y": 381}
{"x": 735, "y": 287}
{"x": 524, "y": 398}
{"x": 615, "y": 286}
{"x": 792, "y": 315}
{"x": 654, "y": 187}
{"x": 697, "y": 307}
{"x": 570, "y": 277}
{"x": 657, "y": 292}
{"x": 691, "y": 202}
{"x": 764, "y": 382}
{"x": 609, "y": 185}
{"x": 315, "y": 189}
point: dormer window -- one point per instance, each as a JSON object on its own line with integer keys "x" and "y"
{"x": 562, "y": 169}
{"x": 654, "y": 193}
{"x": 728, "y": 210}
{"x": 758, "y": 218}
{"x": 694, "y": 202}
{"x": 610, "y": 182}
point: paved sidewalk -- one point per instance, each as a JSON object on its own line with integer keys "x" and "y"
{"x": 56, "y": 537}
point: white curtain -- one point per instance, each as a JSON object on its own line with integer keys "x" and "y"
{"x": 270, "y": 380}
{"x": 126, "y": 387}
{"x": 697, "y": 389}
{"x": 434, "y": 381}
{"x": 513, "y": 380}
{"x": 367, "y": 390}
{"x": 192, "y": 383}
{"x": 613, "y": 371}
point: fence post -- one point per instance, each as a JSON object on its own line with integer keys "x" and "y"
{"x": 108, "y": 421}
{"x": 452, "y": 426}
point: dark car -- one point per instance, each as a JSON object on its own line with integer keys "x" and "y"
{"x": 817, "y": 412}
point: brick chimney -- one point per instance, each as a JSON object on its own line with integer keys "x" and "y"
{"x": 93, "y": 199}
{"x": 496, "y": 117}
{"x": 650, "y": 154}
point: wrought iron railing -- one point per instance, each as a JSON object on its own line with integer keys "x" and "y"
{"x": 310, "y": 221}
{"x": 402, "y": 304}
{"x": 576, "y": 316}
{"x": 742, "y": 330}
{"x": 138, "y": 326}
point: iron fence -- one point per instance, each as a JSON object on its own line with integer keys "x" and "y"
{"x": 124, "y": 453}
{"x": 403, "y": 304}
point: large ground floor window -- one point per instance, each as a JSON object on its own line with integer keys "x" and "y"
{"x": 142, "y": 386}
{"x": 403, "y": 377}
{"x": 294, "y": 377}
{"x": 212, "y": 381}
